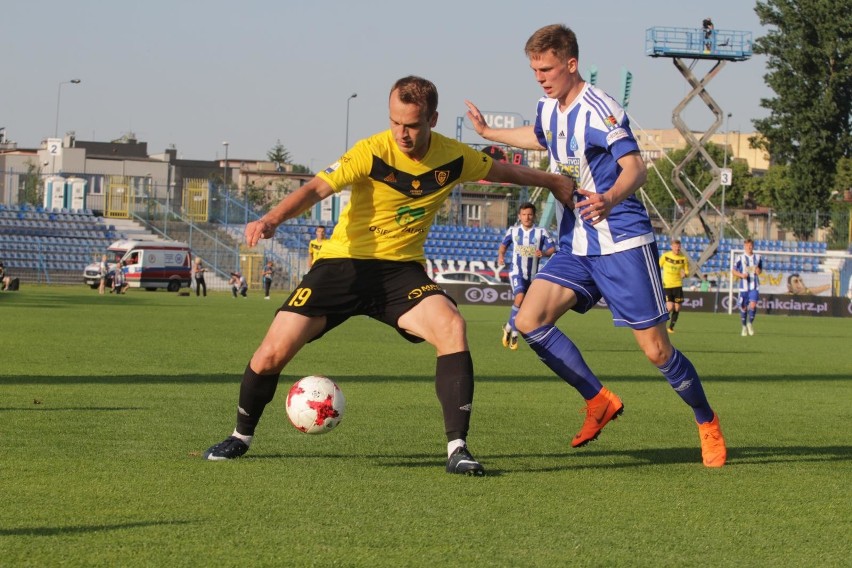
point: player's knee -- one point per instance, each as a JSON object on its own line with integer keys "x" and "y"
{"x": 268, "y": 360}
{"x": 450, "y": 335}
{"x": 525, "y": 323}
{"x": 658, "y": 352}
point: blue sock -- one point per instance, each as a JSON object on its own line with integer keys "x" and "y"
{"x": 751, "y": 314}
{"x": 743, "y": 317}
{"x": 512, "y": 315}
{"x": 562, "y": 356}
{"x": 683, "y": 378}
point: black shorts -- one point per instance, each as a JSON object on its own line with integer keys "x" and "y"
{"x": 674, "y": 295}
{"x": 339, "y": 288}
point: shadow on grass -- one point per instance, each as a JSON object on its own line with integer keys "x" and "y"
{"x": 43, "y": 408}
{"x": 79, "y": 529}
{"x": 648, "y": 377}
{"x": 595, "y": 459}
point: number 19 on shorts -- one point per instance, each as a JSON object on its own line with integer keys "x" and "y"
{"x": 299, "y": 297}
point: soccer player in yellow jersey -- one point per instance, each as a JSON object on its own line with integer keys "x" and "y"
{"x": 315, "y": 245}
{"x": 373, "y": 264}
{"x": 675, "y": 267}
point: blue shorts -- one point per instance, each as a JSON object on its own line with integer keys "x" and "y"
{"x": 747, "y": 297}
{"x": 629, "y": 281}
{"x": 519, "y": 284}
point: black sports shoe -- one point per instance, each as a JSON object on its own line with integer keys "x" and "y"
{"x": 460, "y": 461}
{"x": 228, "y": 449}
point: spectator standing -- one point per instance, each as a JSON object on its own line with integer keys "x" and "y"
{"x": 529, "y": 244}
{"x": 268, "y": 274}
{"x": 200, "y": 284}
{"x": 705, "y": 284}
{"x": 707, "y": 26}
{"x": 103, "y": 269}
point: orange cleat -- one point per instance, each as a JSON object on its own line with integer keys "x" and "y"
{"x": 713, "y": 450}
{"x": 604, "y": 407}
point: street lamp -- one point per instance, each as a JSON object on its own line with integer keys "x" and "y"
{"x": 352, "y": 96}
{"x": 225, "y": 166}
{"x": 58, "y": 98}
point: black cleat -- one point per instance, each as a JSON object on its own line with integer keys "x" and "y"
{"x": 462, "y": 462}
{"x": 228, "y": 449}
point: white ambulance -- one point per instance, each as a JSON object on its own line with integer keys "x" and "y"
{"x": 147, "y": 264}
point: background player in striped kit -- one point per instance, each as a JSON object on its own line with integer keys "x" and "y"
{"x": 675, "y": 267}
{"x": 529, "y": 244}
{"x": 606, "y": 244}
{"x": 748, "y": 268}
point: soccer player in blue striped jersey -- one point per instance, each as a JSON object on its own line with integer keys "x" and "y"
{"x": 529, "y": 245}
{"x": 748, "y": 268}
{"x": 606, "y": 245}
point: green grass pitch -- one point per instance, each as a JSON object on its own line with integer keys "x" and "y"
{"x": 106, "y": 404}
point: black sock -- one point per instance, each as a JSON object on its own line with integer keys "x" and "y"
{"x": 454, "y": 386}
{"x": 675, "y": 315}
{"x": 256, "y": 391}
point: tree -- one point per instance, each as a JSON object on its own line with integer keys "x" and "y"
{"x": 699, "y": 173}
{"x": 31, "y": 191}
{"x": 278, "y": 153}
{"x": 809, "y": 127}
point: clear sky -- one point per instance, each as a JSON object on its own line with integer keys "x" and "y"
{"x": 195, "y": 73}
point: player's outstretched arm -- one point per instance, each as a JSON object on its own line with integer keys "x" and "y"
{"x": 520, "y": 137}
{"x": 294, "y": 204}
{"x": 562, "y": 187}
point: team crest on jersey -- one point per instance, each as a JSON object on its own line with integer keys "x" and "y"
{"x": 611, "y": 122}
{"x": 441, "y": 176}
{"x": 573, "y": 144}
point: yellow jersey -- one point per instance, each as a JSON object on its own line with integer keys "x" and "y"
{"x": 672, "y": 264}
{"x": 314, "y": 247}
{"x": 394, "y": 198}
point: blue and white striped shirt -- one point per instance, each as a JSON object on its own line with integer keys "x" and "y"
{"x": 525, "y": 243}
{"x": 746, "y": 263}
{"x": 585, "y": 142}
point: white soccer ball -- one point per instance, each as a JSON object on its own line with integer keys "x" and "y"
{"x": 315, "y": 404}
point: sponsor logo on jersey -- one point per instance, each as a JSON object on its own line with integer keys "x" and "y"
{"x": 406, "y": 214}
{"x": 561, "y": 135}
{"x": 390, "y": 178}
{"x": 332, "y": 168}
{"x": 615, "y": 135}
{"x": 570, "y": 168}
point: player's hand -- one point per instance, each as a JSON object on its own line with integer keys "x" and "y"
{"x": 257, "y": 230}
{"x": 475, "y": 117}
{"x": 563, "y": 189}
{"x": 595, "y": 207}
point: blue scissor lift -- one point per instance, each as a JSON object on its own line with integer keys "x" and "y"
{"x": 720, "y": 46}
